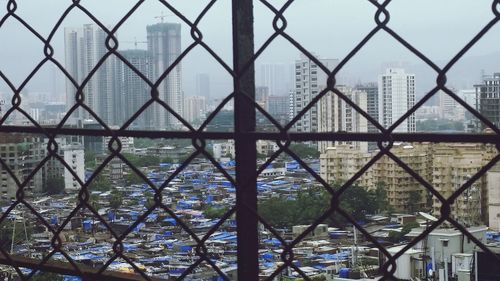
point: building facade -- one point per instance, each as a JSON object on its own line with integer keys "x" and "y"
{"x": 278, "y": 107}
{"x": 432, "y": 162}
{"x": 74, "y": 156}
{"x": 310, "y": 80}
{"x": 135, "y": 91}
{"x": 22, "y": 153}
{"x": 371, "y": 90}
{"x": 84, "y": 47}
{"x": 203, "y": 85}
{"x": 335, "y": 115}
{"x": 164, "y": 46}
{"x": 396, "y": 95}
{"x": 467, "y": 160}
{"x": 195, "y": 109}
{"x": 488, "y": 99}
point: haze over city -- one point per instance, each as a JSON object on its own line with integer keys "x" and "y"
{"x": 133, "y": 175}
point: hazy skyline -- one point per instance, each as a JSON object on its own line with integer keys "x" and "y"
{"x": 439, "y": 33}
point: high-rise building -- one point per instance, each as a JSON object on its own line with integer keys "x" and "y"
{"x": 310, "y": 80}
{"x": 203, "y": 85}
{"x": 135, "y": 91}
{"x": 84, "y": 47}
{"x": 278, "y": 107}
{"x": 274, "y": 77}
{"x": 164, "y": 46}
{"x": 74, "y": 156}
{"x": 449, "y": 108}
{"x": 23, "y": 153}
{"x": 432, "y": 162}
{"x": 261, "y": 94}
{"x": 396, "y": 95}
{"x": 335, "y": 115}
{"x": 488, "y": 99}
{"x": 195, "y": 108}
{"x": 371, "y": 90}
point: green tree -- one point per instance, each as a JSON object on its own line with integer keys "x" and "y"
{"x": 100, "y": 183}
{"x": 133, "y": 178}
{"x": 6, "y": 231}
{"x": 214, "y": 213}
{"x": 311, "y": 203}
{"x": 142, "y": 161}
{"x": 54, "y": 185}
{"x": 414, "y": 199}
{"x": 116, "y": 200}
{"x": 90, "y": 159}
{"x": 150, "y": 200}
{"x": 94, "y": 201}
{"x": 144, "y": 143}
{"x": 436, "y": 125}
{"x": 167, "y": 160}
{"x": 304, "y": 150}
{"x": 380, "y": 194}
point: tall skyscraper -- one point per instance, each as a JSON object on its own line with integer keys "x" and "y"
{"x": 275, "y": 77}
{"x": 310, "y": 80}
{"x": 396, "y": 95}
{"x": 449, "y": 108}
{"x": 135, "y": 91}
{"x": 164, "y": 46}
{"x": 277, "y": 106}
{"x": 335, "y": 115}
{"x": 488, "y": 99}
{"x": 195, "y": 108}
{"x": 84, "y": 47}
{"x": 371, "y": 90}
{"x": 203, "y": 85}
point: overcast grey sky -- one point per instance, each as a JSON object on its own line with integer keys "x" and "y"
{"x": 329, "y": 28}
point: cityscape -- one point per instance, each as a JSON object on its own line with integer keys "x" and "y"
{"x": 161, "y": 196}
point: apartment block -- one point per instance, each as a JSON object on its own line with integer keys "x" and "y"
{"x": 396, "y": 95}
{"x": 335, "y": 115}
{"x": 310, "y": 80}
{"x": 488, "y": 99}
{"x": 445, "y": 166}
{"x": 453, "y": 165}
{"x": 22, "y": 153}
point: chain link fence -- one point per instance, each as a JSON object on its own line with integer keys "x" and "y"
{"x": 244, "y": 135}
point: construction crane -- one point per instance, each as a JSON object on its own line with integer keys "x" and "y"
{"x": 135, "y": 42}
{"x": 162, "y": 17}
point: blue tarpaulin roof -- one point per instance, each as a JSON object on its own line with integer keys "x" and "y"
{"x": 172, "y": 221}
{"x": 275, "y": 242}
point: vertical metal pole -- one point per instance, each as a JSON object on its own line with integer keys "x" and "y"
{"x": 246, "y": 153}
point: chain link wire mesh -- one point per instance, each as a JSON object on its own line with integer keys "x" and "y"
{"x": 245, "y": 209}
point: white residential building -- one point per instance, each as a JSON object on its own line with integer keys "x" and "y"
{"x": 449, "y": 108}
{"x": 310, "y": 80}
{"x": 396, "y": 90}
{"x": 74, "y": 157}
{"x": 223, "y": 148}
{"x": 126, "y": 142}
{"x": 195, "y": 108}
{"x": 335, "y": 115}
{"x": 84, "y": 47}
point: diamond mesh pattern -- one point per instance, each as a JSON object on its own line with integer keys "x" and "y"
{"x": 244, "y": 100}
